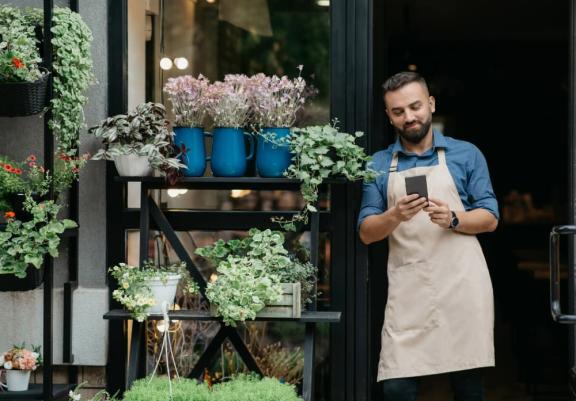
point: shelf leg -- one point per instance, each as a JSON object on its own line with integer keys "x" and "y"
{"x": 137, "y": 362}
{"x": 309, "y": 354}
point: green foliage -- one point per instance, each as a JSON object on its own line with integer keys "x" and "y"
{"x": 158, "y": 389}
{"x": 71, "y": 41}
{"x": 101, "y": 395}
{"x": 251, "y": 388}
{"x": 19, "y": 57}
{"x": 72, "y": 64}
{"x": 29, "y": 176}
{"x": 321, "y": 152}
{"x": 240, "y": 388}
{"x": 133, "y": 284}
{"x": 142, "y": 132}
{"x": 26, "y": 243}
{"x": 250, "y": 271}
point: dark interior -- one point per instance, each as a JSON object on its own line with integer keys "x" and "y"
{"x": 500, "y": 75}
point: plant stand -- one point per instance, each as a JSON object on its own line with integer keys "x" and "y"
{"x": 151, "y": 213}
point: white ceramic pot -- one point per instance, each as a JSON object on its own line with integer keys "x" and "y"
{"x": 132, "y": 166}
{"x": 17, "y": 380}
{"x": 163, "y": 292}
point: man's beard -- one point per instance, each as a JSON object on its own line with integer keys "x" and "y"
{"x": 415, "y": 136}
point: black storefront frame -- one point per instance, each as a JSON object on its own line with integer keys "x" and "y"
{"x": 356, "y": 67}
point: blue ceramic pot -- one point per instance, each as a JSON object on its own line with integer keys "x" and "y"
{"x": 190, "y": 141}
{"x": 229, "y": 152}
{"x": 272, "y": 159}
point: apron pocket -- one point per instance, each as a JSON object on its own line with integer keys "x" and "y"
{"x": 411, "y": 298}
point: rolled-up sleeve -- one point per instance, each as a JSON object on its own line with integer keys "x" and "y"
{"x": 372, "y": 201}
{"x": 480, "y": 192}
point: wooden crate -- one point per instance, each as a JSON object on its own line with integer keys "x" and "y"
{"x": 289, "y": 306}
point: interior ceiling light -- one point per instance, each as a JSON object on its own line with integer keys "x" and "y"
{"x": 323, "y": 3}
{"x": 412, "y": 67}
{"x": 181, "y": 63}
{"x": 165, "y": 63}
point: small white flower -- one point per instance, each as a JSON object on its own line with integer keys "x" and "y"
{"x": 3, "y": 45}
{"x": 8, "y": 365}
{"x": 73, "y": 396}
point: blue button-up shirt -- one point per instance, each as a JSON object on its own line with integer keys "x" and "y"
{"x": 466, "y": 164}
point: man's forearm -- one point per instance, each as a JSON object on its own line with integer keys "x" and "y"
{"x": 377, "y": 227}
{"x": 476, "y": 221}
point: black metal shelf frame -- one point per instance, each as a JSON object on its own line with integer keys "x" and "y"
{"x": 149, "y": 214}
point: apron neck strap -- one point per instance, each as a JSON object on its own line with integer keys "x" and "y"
{"x": 441, "y": 156}
{"x": 394, "y": 164}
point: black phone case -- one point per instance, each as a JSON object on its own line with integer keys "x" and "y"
{"x": 417, "y": 185}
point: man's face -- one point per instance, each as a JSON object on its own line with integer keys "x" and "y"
{"x": 410, "y": 111}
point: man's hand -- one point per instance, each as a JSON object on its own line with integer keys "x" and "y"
{"x": 439, "y": 213}
{"x": 408, "y": 206}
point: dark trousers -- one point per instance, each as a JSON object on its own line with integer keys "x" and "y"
{"x": 468, "y": 385}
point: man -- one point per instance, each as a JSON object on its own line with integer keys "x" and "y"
{"x": 439, "y": 314}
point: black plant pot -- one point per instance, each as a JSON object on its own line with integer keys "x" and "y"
{"x": 23, "y": 98}
{"x": 34, "y": 277}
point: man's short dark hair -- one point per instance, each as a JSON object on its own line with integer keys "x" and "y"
{"x": 401, "y": 79}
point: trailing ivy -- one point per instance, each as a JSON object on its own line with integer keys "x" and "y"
{"x": 71, "y": 40}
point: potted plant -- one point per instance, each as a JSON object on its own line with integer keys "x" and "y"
{"x": 321, "y": 152}
{"x": 187, "y": 95}
{"x": 19, "y": 178}
{"x": 22, "y": 84}
{"x": 228, "y": 104}
{"x": 26, "y": 243}
{"x": 72, "y": 66}
{"x": 143, "y": 289}
{"x": 238, "y": 388}
{"x": 18, "y": 362}
{"x": 275, "y": 103}
{"x": 138, "y": 142}
{"x": 255, "y": 273}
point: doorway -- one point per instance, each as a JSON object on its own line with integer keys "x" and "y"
{"x": 500, "y": 72}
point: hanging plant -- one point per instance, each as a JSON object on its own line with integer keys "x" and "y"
{"x": 72, "y": 63}
{"x": 321, "y": 152}
{"x": 26, "y": 243}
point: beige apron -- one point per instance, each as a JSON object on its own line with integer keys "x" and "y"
{"x": 440, "y": 314}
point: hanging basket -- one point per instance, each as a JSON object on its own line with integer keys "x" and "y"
{"x": 19, "y": 99}
{"x": 34, "y": 278}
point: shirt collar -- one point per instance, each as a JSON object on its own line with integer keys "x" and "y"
{"x": 438, "y": 141}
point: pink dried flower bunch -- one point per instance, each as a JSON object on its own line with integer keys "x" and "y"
{"x": 228, "y": 102}
{"x": 187, "y": 95}
{"x": 277, "y": 100}
{"x": 20, "y": 358}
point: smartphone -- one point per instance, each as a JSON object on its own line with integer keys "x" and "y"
{"x": 417, "y": 185}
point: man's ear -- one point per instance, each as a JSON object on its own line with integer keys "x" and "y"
{"x": 432, "y": 104}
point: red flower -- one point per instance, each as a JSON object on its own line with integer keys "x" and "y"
{"x": 9, "y": 215}
{"x": 32, "y": 158}
{"x": 17, "y": 62}
{"x": 32, "y": 164}
{"x": 8, "y": 167}
{"x": 17, "y": 171}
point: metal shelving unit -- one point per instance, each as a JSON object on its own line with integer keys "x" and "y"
{"x": 48, "y": 391}
{"x": 151, "y": 216}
